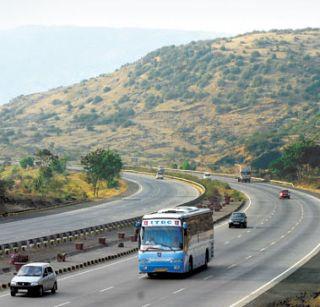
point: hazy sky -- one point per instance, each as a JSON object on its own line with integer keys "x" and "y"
{"x": 229, "y": 16}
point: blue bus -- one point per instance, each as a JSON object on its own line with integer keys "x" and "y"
{"x": 176, "y": 240}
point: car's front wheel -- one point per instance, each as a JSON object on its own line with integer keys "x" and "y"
{"x": 54, "y": 288}
{"x": 13, "y": 292}
{"x": 40, "y": 291}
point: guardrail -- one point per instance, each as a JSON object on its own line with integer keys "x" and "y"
{"x": 60, "y": 238}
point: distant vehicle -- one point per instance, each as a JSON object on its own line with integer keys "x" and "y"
{"x": 34, "y": 278}
{"x": 245, "y": 174}
{"x": 206, "y": 175}
{"x": 238, "y": 219}
{"x": 284, "y": 194}
{"x": 159, "y": 176}
{"x": 176, "y": 240}
{"x": 161, "y": 170}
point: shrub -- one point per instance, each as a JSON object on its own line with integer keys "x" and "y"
{"x": 97, "y": 99}
{"x": 107, "y": 89}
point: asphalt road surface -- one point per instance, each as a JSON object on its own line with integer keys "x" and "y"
{"x": 280, "y": 234}
{"x": 152, "y": 195}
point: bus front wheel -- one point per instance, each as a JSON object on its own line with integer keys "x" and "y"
{"x": 190, "y": 268}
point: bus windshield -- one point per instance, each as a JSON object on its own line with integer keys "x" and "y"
{"x": 164, "y": 238}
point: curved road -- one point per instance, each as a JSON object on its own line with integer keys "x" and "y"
{"x": 152, "y": 195}
{"x": 247, "y": 261}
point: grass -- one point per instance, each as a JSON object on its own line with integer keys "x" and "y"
{"x": 71, "y": 186}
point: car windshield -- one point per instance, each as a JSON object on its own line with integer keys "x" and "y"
{"x": 237, "y": 215}
{"x": 165, "y": 238}
{"x": 30, "y": 271}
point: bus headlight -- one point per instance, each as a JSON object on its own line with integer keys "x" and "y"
{"x": 143, "y": 261}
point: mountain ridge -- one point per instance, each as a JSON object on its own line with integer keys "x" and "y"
{"x": 224, "y": 101}
{"x": 37, "y": 58}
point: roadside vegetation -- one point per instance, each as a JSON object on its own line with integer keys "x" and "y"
{"x": 45, "y": 179}
{"x": 297, "y": 162}
{"x": 215, "y": 189}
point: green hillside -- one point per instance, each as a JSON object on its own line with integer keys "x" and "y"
{"x": 227, "y": 100}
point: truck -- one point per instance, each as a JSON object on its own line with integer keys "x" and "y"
{"x": 245, "y": 174}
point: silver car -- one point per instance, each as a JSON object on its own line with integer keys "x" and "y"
{"x": 35, "y": 278}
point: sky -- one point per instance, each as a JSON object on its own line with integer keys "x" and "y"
{"x": 224, "y": 16}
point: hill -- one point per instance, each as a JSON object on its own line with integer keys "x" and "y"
{"x": 37, "y": 58}
{"x": 219, "y": 101}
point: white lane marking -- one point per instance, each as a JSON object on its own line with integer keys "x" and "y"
{"x": 227, "y": 242}
{"x": 98, "y": 268}
{"x": 262, "y": 249}
{"x": 231, "y": 266}
{"x": 140, "y": 189}
{"x": 140, "y": 277}
{"x": 62, "y": 304}
{"x": 146, "y": 305}
{"x": 208, "y": 277}
{"x": 276, "y": 279}
{"x": 251, "y": 296}
{"x": 245, "y": 210}
{"x": 273, "y": 242}
{"x": 239, "y": 236}
{"x": 248, "y": 230}
{"x": 249, "y": 257}
{"x": 106, "y": 289}
{"x": 4, "y": 295}
{"x": 177, "y": 291}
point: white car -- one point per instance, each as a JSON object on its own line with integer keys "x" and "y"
{"x": 206, "y": 176}
{"x": 159, "y": 176}
{"x": 35, "y": 278}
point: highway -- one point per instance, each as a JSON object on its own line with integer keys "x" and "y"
{"x": 280, "y": 235}
{"x": 152, "y": 195}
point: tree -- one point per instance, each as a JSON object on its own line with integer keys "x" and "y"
{"x": 101, "y": 166}
{"x": 297, "y": 160}
{"x": 44, "y": 156}
{"x": 186, "y": 165}
{"x": 27, "y": 162}
{"x": 58, "y": 165}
